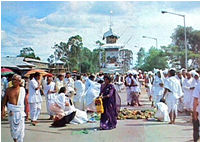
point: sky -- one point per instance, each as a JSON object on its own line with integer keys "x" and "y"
{"x": 41, "y": 24}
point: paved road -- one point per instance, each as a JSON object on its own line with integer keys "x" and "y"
{"x": 126, "y": 131}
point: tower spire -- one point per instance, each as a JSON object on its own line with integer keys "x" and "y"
{"x": 110, "y": 19}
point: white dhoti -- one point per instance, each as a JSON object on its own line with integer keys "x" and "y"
{"x": 187, "y": 100}
{"x": 16, "y": 116}
{"x": 49, "y": 100}
{"x": 16, "y": 119}
{"x": 35, "y": 109}
{"x": 172, "y": 103}
{"x": 129, "y": 96}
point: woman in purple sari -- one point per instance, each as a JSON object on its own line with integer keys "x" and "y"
{"x": 109, "y": 96}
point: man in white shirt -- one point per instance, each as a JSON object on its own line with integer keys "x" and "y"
{"x": 60, "y": 82}
{"x": 69, "y": 81}
{"x": 173, "y": 92}
{"x": 35, "y": 99}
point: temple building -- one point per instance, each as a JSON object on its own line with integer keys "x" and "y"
{"x": 117, "y": 59}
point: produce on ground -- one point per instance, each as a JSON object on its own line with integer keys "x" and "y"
{"x": 135, "y": 114}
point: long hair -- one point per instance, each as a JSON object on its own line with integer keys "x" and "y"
{"x": 62, "y": 90}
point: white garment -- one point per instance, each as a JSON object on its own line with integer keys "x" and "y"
{"x": 49, "y": 96}
{"x": 4, "y": 82}
{"x": 92, "y": 93}
{"x": 34, "y": 95}
{"x": 135, "y": 89}
{"x": 157, "y": 89}
{"x": 80, "y": 89}
{"x": 16, "y": 116}
{"x": 69, "y": 82}
{"x": 35, "y": 109}
{"x": 187, "y": 84}
{"x": 118, "y": 85}
{"x": 194, "y": 84}
{"x": 60, "y": 100}
{"x": 172, "y": 97}
{"x": 196, "y": 94}
{"x": 88, "y": 83}
{"x": 79, "y": 97}
{"x": 80, "y": 117}
{"x": 84, "y": 78}
{"x": 162, "y": 112}
{"x": 181, "y": 79}
{"x": 59, "y": 84}
{"x": 149, "y": 86}
{"x": 128, "y": 90}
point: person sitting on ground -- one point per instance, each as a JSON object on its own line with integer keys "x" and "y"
{"x": 162, "y": 111}
{"x": 57, "y": 107}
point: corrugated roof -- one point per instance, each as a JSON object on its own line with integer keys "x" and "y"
{"x": 15, "y": 62}
{"x": 5, "y": 63}
{"x": 34, "y": 60}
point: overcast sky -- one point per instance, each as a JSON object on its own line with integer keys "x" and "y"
{"x": 42, "y": 24}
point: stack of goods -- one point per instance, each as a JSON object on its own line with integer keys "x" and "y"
{"x": 135, "y": 114}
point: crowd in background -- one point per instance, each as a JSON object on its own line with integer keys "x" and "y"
{"x": 69, "y": 97}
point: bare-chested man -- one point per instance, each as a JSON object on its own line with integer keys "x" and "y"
{"x": 14, "y": 99}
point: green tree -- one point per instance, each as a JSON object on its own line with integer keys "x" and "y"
{"x": 85, "y": 67}
{"x": 155, "y": 58}
{"x": 28, "y": 52}
{"x": 51, "y": 59}
{"x": 193, "y": 45}
{"x": 140, "y": 57}
{"x": 77, "y": 57}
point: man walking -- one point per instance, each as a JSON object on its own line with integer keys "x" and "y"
{"x": 35, "y": 99}
{"x": 173, "y": 92}
{"x": 14, "y": 98}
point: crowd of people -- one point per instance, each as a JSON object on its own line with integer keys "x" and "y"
{"x": 70, "y": 98}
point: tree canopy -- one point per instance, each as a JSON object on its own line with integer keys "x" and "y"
{"x": 173, "y": 54}
{"x": 28, "y": 52}
{"x": 76, "y": 56}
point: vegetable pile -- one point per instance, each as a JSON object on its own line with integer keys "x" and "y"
{"x": 135, "y": 114}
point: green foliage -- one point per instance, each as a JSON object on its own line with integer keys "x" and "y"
{"x": 140, "y": 57}
{"x": 77, "y": 57}
{"x": 51, "y": 59}
{"x": 193, "y": 46}
{"x": 155, "y": 58}
{"x": 28, "y": 52}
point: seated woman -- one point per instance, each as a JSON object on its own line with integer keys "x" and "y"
{"x": 57, "y": 107}
{"x": 65, "y": 111}
{"x": 162, "y": 111}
